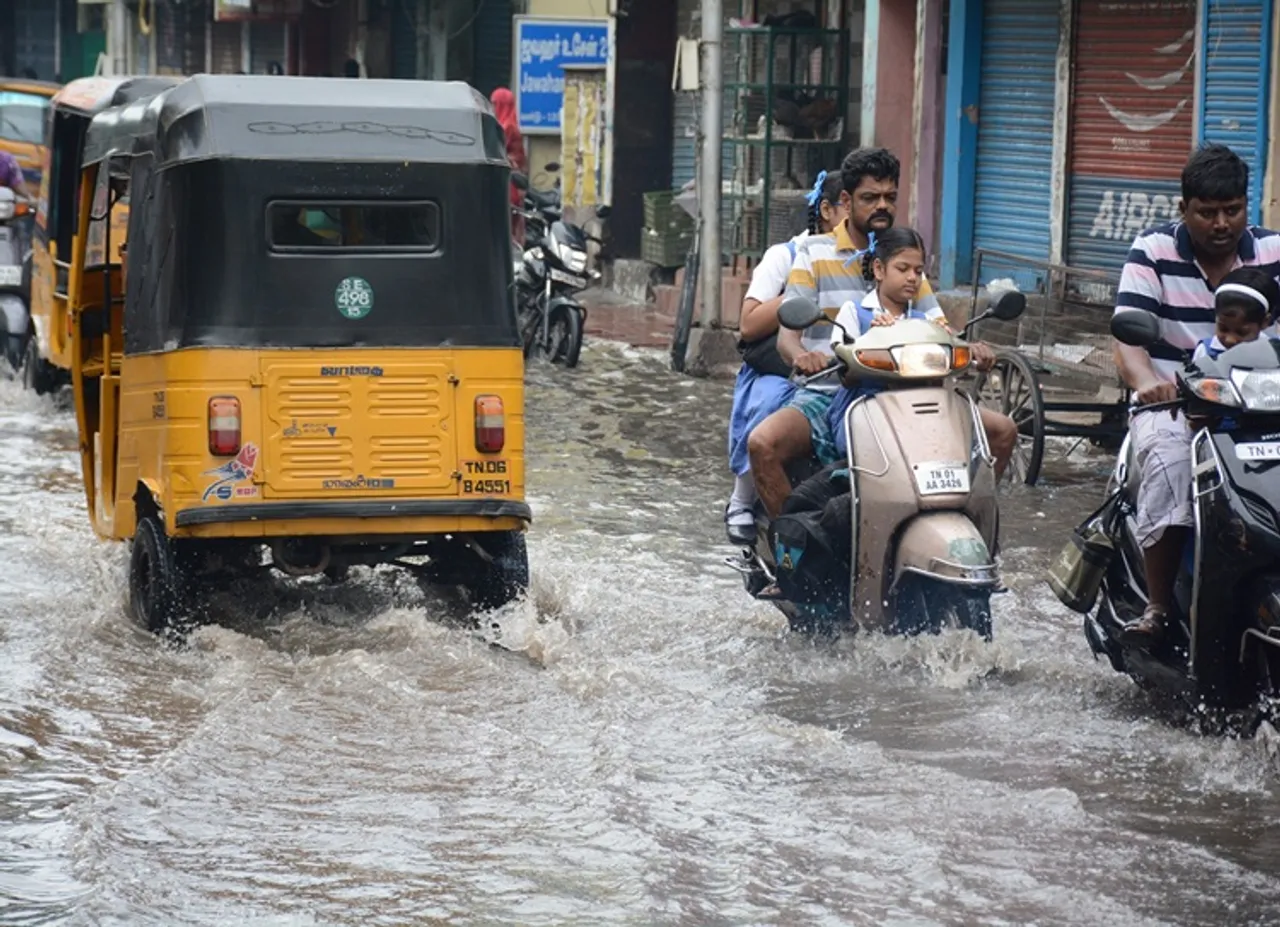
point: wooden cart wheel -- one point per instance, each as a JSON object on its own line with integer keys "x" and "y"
{"x": 1012, "y": 387}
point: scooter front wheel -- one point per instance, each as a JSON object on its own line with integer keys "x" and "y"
{"x": 928, "y": 606}
{"x": 565, "y": 337}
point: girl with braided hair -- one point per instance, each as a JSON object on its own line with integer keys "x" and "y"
{"x": 763, "y": 385}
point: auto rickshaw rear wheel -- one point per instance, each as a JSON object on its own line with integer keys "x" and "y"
{"x": 156, "y": 587}
{"x": 490, "y": 583}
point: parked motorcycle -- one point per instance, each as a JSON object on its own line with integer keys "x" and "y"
{"x": 15, "y": 278}
{"x": 1221, "y": 647}
{"x": 553, "y": 270}
{"x": 905, "y": 544}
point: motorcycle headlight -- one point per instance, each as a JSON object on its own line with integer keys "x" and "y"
{"x": 574, "y": 261}
{"x": 923, "y": 360}
{"x": 1258, "y": 389}
{"x": 1212, "y": 389}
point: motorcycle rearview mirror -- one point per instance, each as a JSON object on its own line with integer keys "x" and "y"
{"x": 552, "y": 167}
{"x": 520, "y": 180}
{"x": 1135, "y": 327}
{"x": 798, "y": 313}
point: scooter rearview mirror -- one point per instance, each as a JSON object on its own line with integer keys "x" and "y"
{"x": 1135, "y": 327}
{"x": 1008, "y": 306}
{"x": 798, "y": 313}
{"x": 552, "y": 167}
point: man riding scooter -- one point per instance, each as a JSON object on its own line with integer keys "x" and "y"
{"x": 829, "y": 270}
{"x": 1172, "y": 272}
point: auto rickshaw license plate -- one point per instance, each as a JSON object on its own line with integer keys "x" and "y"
{"x": 10, "y": 276}
{"x": 942, "y": 477}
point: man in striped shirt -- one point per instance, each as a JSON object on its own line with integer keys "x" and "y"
{"x": 1171, "y": 272}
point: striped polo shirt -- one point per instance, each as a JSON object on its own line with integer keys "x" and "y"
{"x": 1161, "y": 275}
{"x": 828, "y": 270}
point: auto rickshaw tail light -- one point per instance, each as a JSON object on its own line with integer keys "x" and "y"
{"x": 491, "y": 425}
{"x": 224, "y": 426}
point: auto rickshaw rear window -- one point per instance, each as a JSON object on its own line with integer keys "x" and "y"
{"x": 22, "y": 116}
{"x": 354, "y": 227}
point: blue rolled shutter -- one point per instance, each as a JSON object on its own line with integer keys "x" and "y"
{"x": 1015, "y": 127}
{"x": 1234, "y": 89}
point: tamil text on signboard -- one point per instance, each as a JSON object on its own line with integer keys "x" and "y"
{"x": 543, "y": 48}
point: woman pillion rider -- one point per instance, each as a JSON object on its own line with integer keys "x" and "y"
{"x": 763, "y": 386}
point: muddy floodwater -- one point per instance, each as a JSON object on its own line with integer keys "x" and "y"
{"x": 646, "y": 746}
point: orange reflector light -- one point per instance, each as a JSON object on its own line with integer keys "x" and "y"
{"x": 960, "y": 357}
{"x": 876, "y": 359}
{"x": 224, "y": 426}
{"x": 491, "y": 425}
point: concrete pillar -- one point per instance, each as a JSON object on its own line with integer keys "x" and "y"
{"x": 927, "y": 123}
{"x": 889, "y": 86}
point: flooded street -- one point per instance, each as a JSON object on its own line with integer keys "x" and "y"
{"x": 647, "y": 746}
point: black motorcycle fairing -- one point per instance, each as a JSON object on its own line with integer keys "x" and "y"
{"x": 569, "y": 235}
{"x": 1238, "y": 541}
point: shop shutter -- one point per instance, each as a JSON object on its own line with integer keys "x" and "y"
{"x": 35, "y": 36}
{"x": 492, "y": 42}
{"x": 1015, "y": 127}
{"x": 1132, "y": 101}
{"x": 267, "y": 41}
{"x": 684, "y": 129}
{"x": 227, "y": 55}
{"x": 193, "y": 20}
{"x": 1234, "y": 93}
{"x": 404, "y": 39}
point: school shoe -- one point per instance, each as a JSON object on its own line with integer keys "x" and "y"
{"x": 740, "y": 526}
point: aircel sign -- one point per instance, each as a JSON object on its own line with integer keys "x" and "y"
{"x": 542, "y": 49}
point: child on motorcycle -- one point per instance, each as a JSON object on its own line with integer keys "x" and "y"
{"x": 763, "y": 383}
{"x": 1244, "y": 305}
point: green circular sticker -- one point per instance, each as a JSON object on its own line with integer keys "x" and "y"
{"x": 354, "y": 297}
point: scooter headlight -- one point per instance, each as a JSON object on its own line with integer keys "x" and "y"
{"x": 923, "y": 360}
{"x": 1258, "y": 389}
{"x": 7, "y": 207}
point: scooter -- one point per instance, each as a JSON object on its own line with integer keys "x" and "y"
{"x": 15, "y": 279}
{"x": 1221, "y": 647}
{"x": 920, "y": 504}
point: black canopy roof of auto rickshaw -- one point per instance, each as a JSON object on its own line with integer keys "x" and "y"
{"x": 241, "y": 117}
{"x": 91, "y": 95}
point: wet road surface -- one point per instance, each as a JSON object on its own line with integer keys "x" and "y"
{"x": 648, "y": 746}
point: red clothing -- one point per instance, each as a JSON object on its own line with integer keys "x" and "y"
{"x": 504, "y": 108}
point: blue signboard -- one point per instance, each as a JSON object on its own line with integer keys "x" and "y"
{"x": 543, "y": 48}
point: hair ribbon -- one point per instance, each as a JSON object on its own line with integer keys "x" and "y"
{"x": 815, "y": 195}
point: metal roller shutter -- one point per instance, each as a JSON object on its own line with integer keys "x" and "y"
{"x": 1237, "y": 52}
{"x": 35, "y": 37}
{"x": 266, "y": 44}
{"x": 1131, "y": 123}
{"x": 404, "y": 39}
{"x": 1015, "y": 127}
{"x": 227, "y": 53}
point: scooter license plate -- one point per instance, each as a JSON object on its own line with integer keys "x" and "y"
{"x": 559, "y": 276}
{"x": 10, "y": 276}
{"x": 1258, "y": 450}
{"x": 934, "y": 479}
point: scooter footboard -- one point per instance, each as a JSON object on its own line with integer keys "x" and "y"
{"x": 946, "y": 546}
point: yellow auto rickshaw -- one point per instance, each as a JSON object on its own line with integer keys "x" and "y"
{"x": 24, "y": 107}
{"x": 308, "y": 355}
{"x": 47, "y": 359}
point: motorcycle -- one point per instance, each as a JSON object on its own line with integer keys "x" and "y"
{"x": 552, "y": 271}
{"x": 1221, "y": 647}
{"x": 15, "y": 279}
{"x": 913, "y": 536}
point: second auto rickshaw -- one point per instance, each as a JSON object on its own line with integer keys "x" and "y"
{"x": 312, "y": 361}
